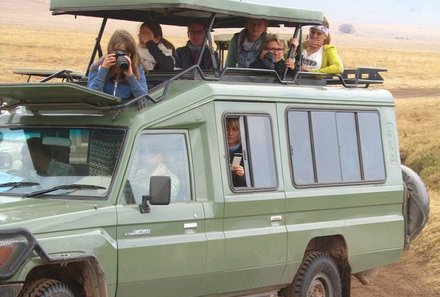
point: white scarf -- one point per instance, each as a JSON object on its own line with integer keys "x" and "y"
{"x": 147, "y": 60}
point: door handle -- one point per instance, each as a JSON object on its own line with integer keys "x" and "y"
{"x": 278, "y": 218}
{"x": 188, "y": 226}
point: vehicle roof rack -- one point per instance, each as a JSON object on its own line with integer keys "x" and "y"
{"x": 359, "y": 77}
{"x": 48, "y": 74}
{"x": 76, "y": 94}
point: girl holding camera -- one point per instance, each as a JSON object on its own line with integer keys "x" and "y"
{"x": 119, "y": 73}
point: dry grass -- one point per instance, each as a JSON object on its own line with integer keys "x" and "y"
{"x": 25, "y": 47}
{"x": 406, "y": 69}
{"x": 416, "y": 69}
{"x": 418, "y": 122}
{"x": 36, "y": 48}
{"x": 419, "y": 137}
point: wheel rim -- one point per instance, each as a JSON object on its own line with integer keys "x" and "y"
{"x": 320, "y": 287}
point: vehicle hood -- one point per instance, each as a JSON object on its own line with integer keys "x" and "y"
{"x": 51, "y": 215}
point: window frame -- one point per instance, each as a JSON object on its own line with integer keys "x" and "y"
{"x": 185, "y": 133}
{"x": 335, "y": 111}
{"x": 248, "y": 163}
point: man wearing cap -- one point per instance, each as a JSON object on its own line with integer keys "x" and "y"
{"x": 317, "y": 54}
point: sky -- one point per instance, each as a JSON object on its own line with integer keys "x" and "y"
{"x": 380, "y": 12}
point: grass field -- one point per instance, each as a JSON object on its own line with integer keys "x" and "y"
{"x": 413, "y": 73}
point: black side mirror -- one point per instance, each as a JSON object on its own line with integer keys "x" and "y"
{"x": 160, "y": 193}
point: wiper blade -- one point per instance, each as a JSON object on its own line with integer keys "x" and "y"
{"x": 18, "y": 184}
{"x": 74, "y": 187}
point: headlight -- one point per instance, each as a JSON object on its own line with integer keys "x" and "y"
{"x": 15, "y": 246}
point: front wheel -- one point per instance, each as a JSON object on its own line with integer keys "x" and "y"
{"x": 318, "y": 276}
{"x": 46, "y": 287}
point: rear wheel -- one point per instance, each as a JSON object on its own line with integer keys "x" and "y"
{"x": 416, "y": 204}
{"x": 318, "y": 276}
{"x": 46, "y": 287}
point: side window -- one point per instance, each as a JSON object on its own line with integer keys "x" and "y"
{"x": 159, "y": 154}
{"x": 329, "y": 147}
{"x": 251, "y": 151}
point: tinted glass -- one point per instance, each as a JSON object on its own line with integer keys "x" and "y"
{"x": 348, "y": 146}
{"x": 160, "y": 155}
{"x": 371, "y": 146}
{"x": 251, "y": 151}
{"x": 261, "y": 151}
{"x": 337, "y": 147}
{"x": 325, "y": 140}
{"x": 300, "y": 147}
{"x": 40, "y": 159}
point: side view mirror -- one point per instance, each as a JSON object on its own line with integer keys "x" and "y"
{"x": 160, "y": 193}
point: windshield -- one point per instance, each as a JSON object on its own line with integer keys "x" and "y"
{"x": 74, "y": 162}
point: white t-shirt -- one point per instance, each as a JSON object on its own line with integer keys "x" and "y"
{"x": 313, "y": 61}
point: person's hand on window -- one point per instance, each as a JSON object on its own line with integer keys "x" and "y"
{"x": 237, "y": 170}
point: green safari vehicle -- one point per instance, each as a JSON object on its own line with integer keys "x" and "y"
{"x": 139, "y": 200}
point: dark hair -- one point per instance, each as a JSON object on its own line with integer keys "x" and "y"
{"x": 197, "y": 21}
{"x": 156, "y": 29}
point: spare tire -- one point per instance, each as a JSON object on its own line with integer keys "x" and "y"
{"x": 416, "y": 204}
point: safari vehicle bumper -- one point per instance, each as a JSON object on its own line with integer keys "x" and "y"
{"x": 10, "y": 290}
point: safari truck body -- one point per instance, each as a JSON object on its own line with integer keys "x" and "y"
{"x": 324, "y": 196}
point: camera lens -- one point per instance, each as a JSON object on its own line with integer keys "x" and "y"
{"x": 122, "y": 62}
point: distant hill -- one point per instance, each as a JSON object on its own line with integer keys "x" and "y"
{"x": 379, "y": 12}
{"x": 398, "y": 19}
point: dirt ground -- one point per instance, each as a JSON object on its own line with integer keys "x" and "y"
{"x": 403, "y": 279}
{"x": 416, "y": 93}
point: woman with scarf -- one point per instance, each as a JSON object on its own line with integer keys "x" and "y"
{"x": 246, "y": 45}
{"x": 189, "y": 54}
{"x": 156, "y": 52}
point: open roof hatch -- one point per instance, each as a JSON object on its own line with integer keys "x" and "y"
{"x": 54, "y": 96}
{"x": 229, "y": 13}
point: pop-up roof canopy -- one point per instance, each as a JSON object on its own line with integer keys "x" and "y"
{"x": 229, "y": 13}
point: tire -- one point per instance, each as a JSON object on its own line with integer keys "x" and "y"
{"x": 317, "y": 276}
{"x": 46, "y": 287}
{"x": 416, "y": 203}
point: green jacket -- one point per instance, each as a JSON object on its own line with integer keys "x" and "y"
{"x": 231, "y": 58}
{"x": 331, "y": 62}
{"x": 239, "y": 57}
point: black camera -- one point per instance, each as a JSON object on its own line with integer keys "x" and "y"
{"x": 121, "y": 60}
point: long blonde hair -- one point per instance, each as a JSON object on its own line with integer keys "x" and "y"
{"x": 121, "y": 37}
{"x": 124, "y": 37}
